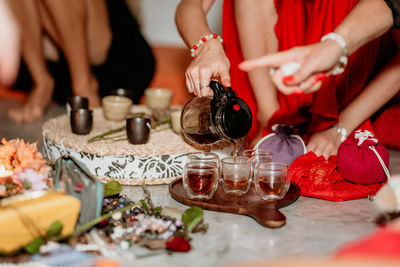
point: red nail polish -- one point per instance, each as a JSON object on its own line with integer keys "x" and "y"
{"x": 298, "y": 92}
{"x": 288, "y": 79}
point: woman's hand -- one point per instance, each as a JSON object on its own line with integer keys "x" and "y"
{"x": 210, "y": 63}
{"x": 324, "y": 143}
{"x": 317, "y": 61}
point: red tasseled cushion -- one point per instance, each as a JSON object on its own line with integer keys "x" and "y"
{"x": 319, "y": 178}
{"x": 358, "y": 163}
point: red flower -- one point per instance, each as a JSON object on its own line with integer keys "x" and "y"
{"x": 178, "y": 244}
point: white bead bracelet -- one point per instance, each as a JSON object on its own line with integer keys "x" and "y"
{"x": 343, "y": 59}
{"x": 202, "y": 41}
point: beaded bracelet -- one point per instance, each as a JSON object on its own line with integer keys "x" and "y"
{"x": 343, "y": 59}
{"x": 202, "y": 41}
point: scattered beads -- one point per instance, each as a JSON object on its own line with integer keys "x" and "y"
{"x": 131, "y": 226}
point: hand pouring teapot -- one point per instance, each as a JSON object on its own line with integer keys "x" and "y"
{"x": 207, "y": 120}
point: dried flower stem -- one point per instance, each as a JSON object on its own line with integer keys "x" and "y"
{"x": 101, "y": 136}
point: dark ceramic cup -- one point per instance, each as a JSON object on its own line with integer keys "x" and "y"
{"x": 81, "y": 121}
{"x": 122, "y": 92}
{"x": 138, "y": 130}
{"x": 77, "y": 102}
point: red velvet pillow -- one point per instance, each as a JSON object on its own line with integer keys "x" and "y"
{"x": 361, "y": 159}
{"x": 318, "y": 177}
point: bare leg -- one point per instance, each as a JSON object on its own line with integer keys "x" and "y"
{"x": 81, "y": 30}
{"x": 40, "y": 96}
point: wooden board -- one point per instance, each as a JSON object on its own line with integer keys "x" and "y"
{"x": 264, "y": 212}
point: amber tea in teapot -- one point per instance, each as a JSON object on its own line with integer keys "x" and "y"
{"x": 207, "y": 120}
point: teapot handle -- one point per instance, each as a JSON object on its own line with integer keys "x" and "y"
{"x": 218, "y": 89}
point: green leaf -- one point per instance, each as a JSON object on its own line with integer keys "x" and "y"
{"x": 34, "y": 246}
{"x": 192, "y": 217}
{"x": 27, "y": 184}
{"x": 10, "y": 186}
{"x": 54, "y": 229}
{"x": 112, "y": 188}
{"x": 157, "y": 210}
{"x": 144, "y": 205}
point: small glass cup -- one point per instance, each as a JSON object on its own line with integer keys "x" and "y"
{"x": 257, "y": 156}
{"x": 252, "y": 153}
{"x": 236, "y": 175}
{"x": 200, "y": 179}
{"x": 206, "y": 156}
{"x": 271, "y": 180}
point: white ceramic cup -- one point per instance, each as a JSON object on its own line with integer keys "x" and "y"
{"x": 176, "y": 121}
{"x": 158, "y": 98}
{"x": 116, "y": 108}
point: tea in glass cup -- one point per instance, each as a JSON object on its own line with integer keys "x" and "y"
{"x": 200, "y": 179}
{"x": 271, "y": 180}
{"x": 236, "y": 175}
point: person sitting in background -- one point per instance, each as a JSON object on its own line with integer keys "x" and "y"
{"x": 9, "y": 45}
{"x": 92, "y": 46}
{"x": 252, "y": 29}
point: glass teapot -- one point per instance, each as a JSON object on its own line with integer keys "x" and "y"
{"x": 207, "y": 120}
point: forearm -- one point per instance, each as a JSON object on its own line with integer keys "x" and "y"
{"x": 378, "y": 92}
{"x": 368, "y": 20}
{"x": 255, "y": 21}
{"x": 191, "y": 21}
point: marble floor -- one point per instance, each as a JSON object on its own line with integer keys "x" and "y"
{"x": 314, "y": 227}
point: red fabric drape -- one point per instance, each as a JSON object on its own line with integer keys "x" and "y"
{"x": 301, "y": 23}
{"x": 319, "y": 178}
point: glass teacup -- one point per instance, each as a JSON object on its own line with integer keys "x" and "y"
{"x": 236, "y": 175}
{"x": 271, "y": 180}
{"x": 200, "y": 179}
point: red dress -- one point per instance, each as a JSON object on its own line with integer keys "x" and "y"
{"x": 301, "y": 23}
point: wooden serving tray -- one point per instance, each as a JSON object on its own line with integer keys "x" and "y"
{"x": 263, "y": 211}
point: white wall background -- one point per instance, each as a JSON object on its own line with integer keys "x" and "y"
{"x": 158, "y": 21}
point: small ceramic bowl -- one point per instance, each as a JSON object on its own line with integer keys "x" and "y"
{"x": 158, "y": 98}
{"x": 116, "y": 108}
{"x": 176, "y": 121}
{"x": 122, "y": 92}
